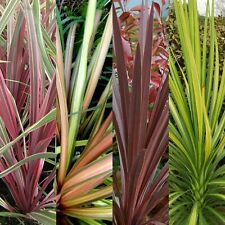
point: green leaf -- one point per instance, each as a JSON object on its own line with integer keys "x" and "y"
{"x": 78, "y": 92}
{"x": 7, "y": 14}
{"x": 194, "y": 215}
{"x": 12, "y": 214}
{"x": 90, "y": 213}
{"x": 45, "y": 217}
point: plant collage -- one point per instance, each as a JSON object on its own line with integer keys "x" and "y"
{"x": 112, "y": 112}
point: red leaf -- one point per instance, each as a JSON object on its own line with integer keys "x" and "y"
{"x": 157, "y": 8}
{"x": 155, "y": 79}
{"x": 152, "y": 95}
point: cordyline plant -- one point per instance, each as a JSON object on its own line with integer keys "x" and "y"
{"x": 129, "y": 21}
{"x": 196, "y": 129}
{"x": 85, "y": 136}
{"x": 27, "y": 114}
{"x": 141, "y": 186}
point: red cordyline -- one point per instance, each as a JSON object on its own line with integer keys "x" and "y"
{"x": 141, "y": 187}
{"x": 27, "y": 97}
{"x": 129, "y": 22}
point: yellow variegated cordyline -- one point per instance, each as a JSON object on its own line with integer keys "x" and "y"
{"x": 197, "y": 123}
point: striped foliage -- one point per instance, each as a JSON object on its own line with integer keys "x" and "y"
{"x": 197, "y": 123}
